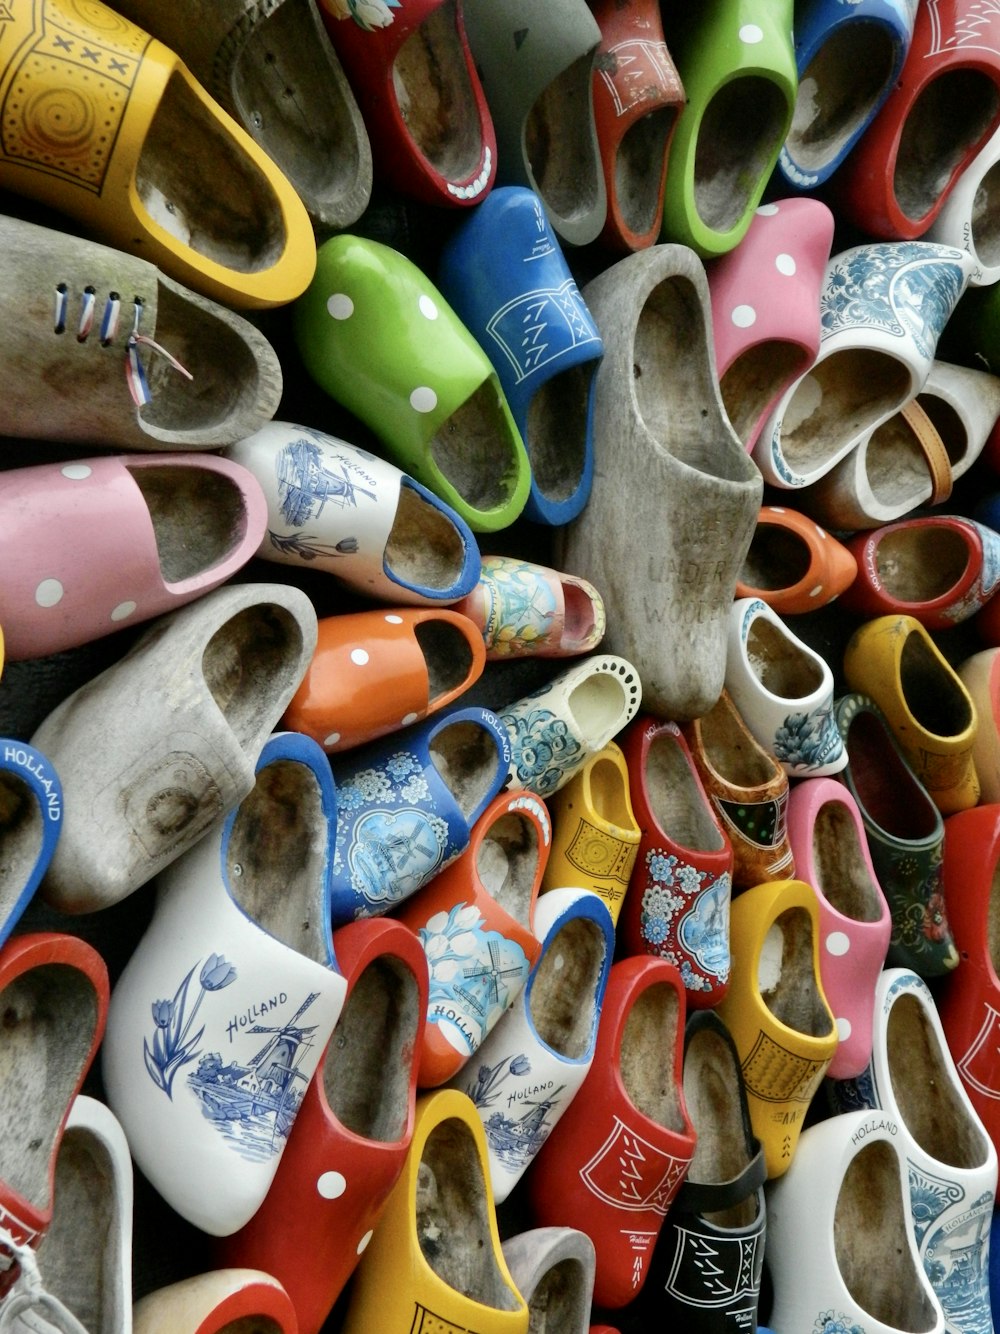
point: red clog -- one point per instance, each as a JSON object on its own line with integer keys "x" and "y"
{"x": 620, "y": 1152}
{"x": 54, "y": 1004}
{"x": 637, "y": 97}
{"x": 375, "y": 672}
{"x": 969, "y": 998}
{"x": 475, "y": 925}
{"x": 677, "y": 905}
{"x": 942, "y": 111}
{"x": 352, "y": 1132}
{"x": 412, "y": 73}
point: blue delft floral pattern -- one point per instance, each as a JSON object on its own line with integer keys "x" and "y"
{"x": 544, "y": 749}
{"x": 684, "y": 918}
{"x": 984, "y": 586}
{"x": 895, "y": 288}
{"x": 808, "y": 740}
{"x": 388, "y": 845}
{"x": 174, "y": 1045}
{"x": 474, "y": 974}
{"x": 832, "y": 1322}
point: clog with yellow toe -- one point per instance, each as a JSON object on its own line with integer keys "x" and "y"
{"x": 106, "y": 125}
{"x": 776, "y": 1011}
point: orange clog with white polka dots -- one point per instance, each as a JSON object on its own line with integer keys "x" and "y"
{"x": 376, "y": 671}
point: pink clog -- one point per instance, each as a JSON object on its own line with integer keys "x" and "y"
{"x": 127, "y": 538}
{"x": 831, "y": 854}
{"x": 765, "y": 308}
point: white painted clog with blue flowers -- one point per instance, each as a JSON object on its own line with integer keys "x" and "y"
{"x": 220, "y": 1017}
{"x": 783, "y": 690}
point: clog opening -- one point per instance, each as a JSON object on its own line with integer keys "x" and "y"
{"x": 22, "y": 828}
{"x": 227, "y": 375}
{"x": 453, "y": 1205}
{"x": 580, "y": 614}
{"x": 476, "y": 449}
{"x": 672, "y": 382}
{"x": 435, "y": 95}
{"x": 507, "y": 864}
{"x": 89, "y": 1199}
{"x": 895, "y": 461}
{"x": 756, "y": 378}
{"x": 945, "y": 126}
{"x": 926, "y": 1088}
{"x": 781, "y": 664}
{"x": 197, "y": 182}
{"x": 985, "y": 217}
{"x": 786, "y": 976}
{"x": 447, "y": 655}
{"x": 841, "y": 398}
{"x": 712, "y": 1095}
{"x": 778, "y": 558}
{"x": 424, "y": 548}
{"x": 931, "y": 691}
{"x": 872, "y": 1244}
{"x": 922, "y": 562}
{"x": 556, "y": 431}
{"x": 885, "y": 786}
{"x": 741, "y": 133}
{"x": 676, "y": 798}
{"x": 252, "y": 659}
{"x": 842, "y": 872}
{"x": 732, "y": 751}
{"x": 609, "y": 794}
{"x": 597, "y": 706}
{"x": 277, "y": 858}
{"x": 285, "y": 90}
{"x": 561, "y": 1299}
{"x": 637, "y": 183}
{"x": 48, "y": 1018}
{"x": 253, "y": 1324}
{"x": 368, "y": 1064}
{"x": 645, "y": 1057}
{"x": 199, "y": 517}
{"x": 465, "y": 755}
{"x": 561, "y": 995}
{"x": 559, "y": 144}
{"x": 837, "y": 91}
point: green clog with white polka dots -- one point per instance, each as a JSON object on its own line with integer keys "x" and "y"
{"x": 376, "y": 334}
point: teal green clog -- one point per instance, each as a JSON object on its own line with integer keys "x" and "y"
{"x": 736, "y": 59}
{"x": 378, "y": 336}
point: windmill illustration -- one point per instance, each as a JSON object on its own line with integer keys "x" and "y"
{"x": 276, "y": 1064}
{"x": 306, "y": 484}
{"x": 483, "y": 981}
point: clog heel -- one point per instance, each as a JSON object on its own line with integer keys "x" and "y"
{"x": 777, "y": 1013}
{"x": 894, "y": 660}
{"x": 145, "y": 159}
{"x": 377, "y": 335}
{"x": 595, "y": 836}
{"x": 737, "y": 65}
{"x": 911, "y": 1078}
{"x": 438, "y": 1237}
{"x": 216, "y": 1302}
{"x": 840, "y": 1246}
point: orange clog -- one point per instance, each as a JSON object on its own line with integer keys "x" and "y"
{"x": 793, "y": 564}
{"x": 376, "y": 671}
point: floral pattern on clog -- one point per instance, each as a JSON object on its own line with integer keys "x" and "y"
{"x": 807, "y": 740}
{"x": 544, "y": 749}
{"x": 685, "y": 919}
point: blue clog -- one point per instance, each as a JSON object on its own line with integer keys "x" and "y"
{"x": 406, "y": 806}
{"x": 505, "y": 275}
{"x": 31, "y": 805}
{"x": 848, "y": 58}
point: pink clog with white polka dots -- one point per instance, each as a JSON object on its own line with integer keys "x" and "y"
{"x": 765, "y": 308}
{"x": 831, "y": 854}
{"x": 99, "y": 544}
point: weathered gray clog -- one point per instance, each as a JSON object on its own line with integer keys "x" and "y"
{"x": 675, "y": 497}
{"x": 81, "y": 365}
{"x": 553, "y": 1270}
{"x": 272, "y": 66}
{"x": 163, "y": 743}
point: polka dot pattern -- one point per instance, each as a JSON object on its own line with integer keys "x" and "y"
{"x": 362, "y": 1244}
{"x": 123, "y": 610}
{"x": 332, "y": 739}
{"x": 76, "y": 472}
{"x": 359, "y": 656}
{"x": 428, "y": 307}
{"x": 394, "y": 620}
{"x": 49, "y": 593}
{"x": 751, "y": 34}
{"x": 785, "y": 264}
{"x": 340, "y": 306}
{"x": 409, "y": 718}
{"x": 843, "y": 1029}
{"x": 837, "y": 943}
{"x": 423, "y": 399}
{"x": 331, "y": 1185}
{"x": 743, "y": 316}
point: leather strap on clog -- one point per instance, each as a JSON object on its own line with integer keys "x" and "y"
{"x": 707, "y": 1197}
{"x": 933, "y": 449}
{"x": 28, "y": 1308}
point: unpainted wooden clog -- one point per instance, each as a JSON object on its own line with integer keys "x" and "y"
{"x": 107, "y": 126}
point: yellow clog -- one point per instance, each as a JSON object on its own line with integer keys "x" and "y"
{"x": 776, "y": 1011}
{"x": 107, "y": 125}
{"x": 894, "y": 660}
{"x": 434, "y": 1262}
{"x": 595, "y": 836}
